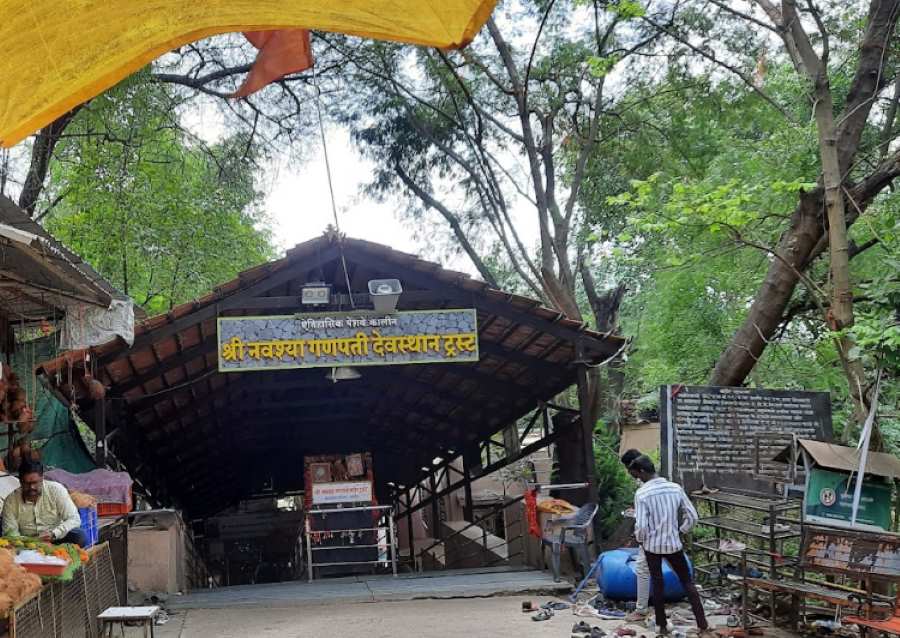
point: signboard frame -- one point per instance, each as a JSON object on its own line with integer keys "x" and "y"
{"x": 365, "y": 492}
{"x": 829, "y": 499}
{"x": 464, "y": 346}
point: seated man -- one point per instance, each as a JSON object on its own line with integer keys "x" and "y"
{"x": 41, "y": 509}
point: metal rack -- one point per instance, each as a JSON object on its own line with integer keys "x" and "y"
{"x": 389, "y": 528}
{"x": 737, "y": 515}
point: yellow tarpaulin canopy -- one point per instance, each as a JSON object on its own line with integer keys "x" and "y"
{"x": 57, "y": 54}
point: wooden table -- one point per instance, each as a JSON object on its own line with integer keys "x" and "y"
{"x": 131, "y": 615}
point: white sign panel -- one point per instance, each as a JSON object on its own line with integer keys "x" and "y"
{"x": 351, "y": 492}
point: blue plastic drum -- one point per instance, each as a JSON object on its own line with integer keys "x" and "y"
{"x": 617, "y": 578}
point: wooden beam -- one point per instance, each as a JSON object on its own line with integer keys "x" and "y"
{"x": 341, "y": 302}
{"x": 168, "y": 364}
{"x": 515, "y": 356}
{"x": 246, "y": 380}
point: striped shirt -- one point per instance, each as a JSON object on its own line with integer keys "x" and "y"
{"x": 657, "y": 505}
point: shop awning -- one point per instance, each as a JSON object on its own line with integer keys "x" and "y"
{"x": 58, "y": 54}
{"x": 844, "y": 458}
{"x": 39, "y": 276}
{"x": 206, "y": 438}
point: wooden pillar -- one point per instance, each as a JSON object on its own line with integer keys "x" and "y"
{"x": 100, "y": 431}
{"x": 511, "y": 440}
{"x": 468, "y": 512}
{"x": 410, "y": 528}
{"x": 587, "y": 433}
{"x": 435, "y": 506}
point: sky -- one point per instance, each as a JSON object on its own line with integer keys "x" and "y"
{"x": 299, "y": 205}
{"x": 299, "y": 202}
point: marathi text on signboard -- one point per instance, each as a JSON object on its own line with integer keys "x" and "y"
{"x": 317, "y": 341}
{"x": 729, "y": 436}
{"x": 333, "y": 493}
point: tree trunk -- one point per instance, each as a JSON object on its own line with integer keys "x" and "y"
{"x": 44, "y": 144}
{"x": 795, "y": 248}
{"x": 801, "y": 242}
{"x": 840, "y": 313}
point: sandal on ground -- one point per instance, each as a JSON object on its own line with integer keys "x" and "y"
{"x": 544, "y": 614}
{"x": 581, "y": 627}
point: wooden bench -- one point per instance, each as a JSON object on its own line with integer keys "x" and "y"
{"x": 863, "y": 556}
{"x": 889, "y": 625}
{"x": 143, "y": 617}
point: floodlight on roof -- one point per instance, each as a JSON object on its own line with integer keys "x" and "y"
{"x": 384, "y": 294}
{"x": 315, "y": 294}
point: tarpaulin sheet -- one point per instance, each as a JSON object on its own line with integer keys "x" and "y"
{"x": 55, "y": 433}
{"x": 104, "y": 485}
{"x": 60, "y": 53}
{"x": 88, "y": 325}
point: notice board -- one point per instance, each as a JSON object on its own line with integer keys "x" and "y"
{"x": 727, "y": 437}
{"x": 829, "y": 498}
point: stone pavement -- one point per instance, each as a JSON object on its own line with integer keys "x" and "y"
{"x": 372, "y": 589}
{"x": 499, "y": 617}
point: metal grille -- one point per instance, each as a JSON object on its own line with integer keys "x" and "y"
{"x": 70, "y": 610}
{"x": 30, "y": 619}
{"x": 71, "y": 601}
{"x": 107, "y": 593}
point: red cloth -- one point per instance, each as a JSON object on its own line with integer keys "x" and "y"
{"x": 281, "y": 53}
{"x": 534, "y": 526}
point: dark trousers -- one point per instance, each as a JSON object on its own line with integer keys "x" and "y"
{"x": 679, "y": 565}
{"x": 75, "y": 537}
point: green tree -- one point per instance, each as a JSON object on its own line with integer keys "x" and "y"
{"x": 711, "y": 166}
{"x": 163, "y": 217}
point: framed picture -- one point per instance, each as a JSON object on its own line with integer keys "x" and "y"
{"x": 321, "y": 472}
{"x": 355, "y": 465}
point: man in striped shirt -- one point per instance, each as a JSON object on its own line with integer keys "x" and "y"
{"x": 658, "y": 505}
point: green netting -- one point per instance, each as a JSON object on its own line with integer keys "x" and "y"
{"x": 55, "y": 433}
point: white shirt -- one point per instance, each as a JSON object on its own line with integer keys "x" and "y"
{"x": 657, "y": 506}
{"x": 54, "y": 512}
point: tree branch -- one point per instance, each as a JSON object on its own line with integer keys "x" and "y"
{"x": 448, "y": 215}
{"x": 729, "y": 67}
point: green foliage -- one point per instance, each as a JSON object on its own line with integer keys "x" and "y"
{"x": 163, "y": 217}
{"x": 689, "y": 203}
{"x": 614, "y": 485}
{"x": 628, "y": 9}
{"x": 601, "y": 66}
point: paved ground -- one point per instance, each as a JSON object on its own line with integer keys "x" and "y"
{"x": 499, "y": 617}
{"x": 486, "y": 604}
{"x": 373, "y": 589}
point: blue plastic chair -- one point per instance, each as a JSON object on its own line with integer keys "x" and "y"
{"x": 573, "y": 532}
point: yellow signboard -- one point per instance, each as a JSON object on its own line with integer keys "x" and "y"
{"x": 311, "y": 341}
